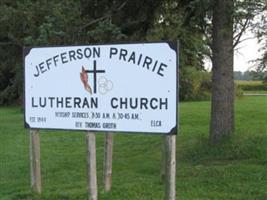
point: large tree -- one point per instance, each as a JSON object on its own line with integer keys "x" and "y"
{"x": 223, "y": 22}
{"x": 222, "y": 108}
{"x": 230, "y": 20}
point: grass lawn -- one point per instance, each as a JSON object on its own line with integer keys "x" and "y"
{"x": 236, "y": 169}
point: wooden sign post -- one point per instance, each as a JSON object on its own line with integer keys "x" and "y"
{"x": 35, "y": 161}
{"x": 163, "y": 160}
{"x": 170, "y": 166}
{"x": 91, "y": 165}
{"x": 108, "y": 150}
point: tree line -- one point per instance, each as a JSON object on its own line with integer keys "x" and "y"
{"x": 251, "y": 75}
{"x": 204, "y": 28}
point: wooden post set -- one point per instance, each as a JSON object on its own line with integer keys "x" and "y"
{"x": 168, "y": 171}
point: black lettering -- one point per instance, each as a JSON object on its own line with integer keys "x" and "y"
{"x": 109, "y": 125}
{"x": 63, "y": 57}
{"x": 113, "y": 51}
{"x": 38, "y": 72}
{"x": 55, "y": 58}
{"x": 94, "y": 103}
{"x": 67, "y": 102}
{"x": 123, "y": 103}
{"x": 77, "y": 102}
{"x": 41, "y": 66}
{"x": 132, "y": 58}
{"x": 153, "y": 106}
{"x": 155, "y": 65}
{"x": 33, "y": 105}
{"x": 143, "y": 103}
{"x": 42, "y": 103}
{"x": 64, "y": 102}
{"x": 80, "y": 55}
{"x": 163, "y": 103}
{"x": 48, "y": 62}
{"x": 147, "y": 62}
{"x": 86, "y": 103}
{"x": 161, "y": 69}
{"x": 123, "y": 54}
{"x": 134, "y": 104}
{"x": 96, "y": 52}
{"x": 60, "y": 102}
{"x": 139, "y": 59}
{"x": 51, "y": 101}
{"x": 72, "y": 55}
{"x": 92, "y": 125}
{"x": 113, "y": 105}
{"x": 87, "y": 52}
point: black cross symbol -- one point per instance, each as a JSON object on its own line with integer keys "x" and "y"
{"x": 95, "y": 71}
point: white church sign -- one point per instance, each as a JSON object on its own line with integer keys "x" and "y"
{"x": 117, "y": 87}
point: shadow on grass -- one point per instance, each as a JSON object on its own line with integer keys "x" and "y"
{"x": 238, "y": 147}
{"x": 27, "y": 196}
{"x": 34, "y": 196}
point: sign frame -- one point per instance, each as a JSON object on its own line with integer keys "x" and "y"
{"x": 172, "y": 45}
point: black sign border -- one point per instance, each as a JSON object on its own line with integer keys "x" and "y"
{"x": 173, "y": 45}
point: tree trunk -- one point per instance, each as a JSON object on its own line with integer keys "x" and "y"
{"x": 222, "y": 108}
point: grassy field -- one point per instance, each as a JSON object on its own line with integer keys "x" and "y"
{"x": 240, "y": 82}
{"x": 252, "y": 87}
{"x": 235, "y": 169}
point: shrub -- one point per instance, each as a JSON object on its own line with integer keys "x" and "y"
{"x": 194, "y": 84}
{"x": 238, "y": 91}
{"x": 253, "y": 85}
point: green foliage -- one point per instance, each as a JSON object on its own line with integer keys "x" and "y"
{"x": 134, "y": 18}
{"x": 29, "y": 23}
{"x": 238, "y": 91}
{"x": 252, "y": 85}
{"x": 72, "y": 22}
{"x": 194, "y": 84}
{"x": 105, "y": 32}
{"x": 260, "y": 29}
{"x": 68, "y": 22}
{"x": 171, "y": 24}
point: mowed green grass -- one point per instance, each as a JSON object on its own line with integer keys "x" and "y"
{"x": 234, "y": 169}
